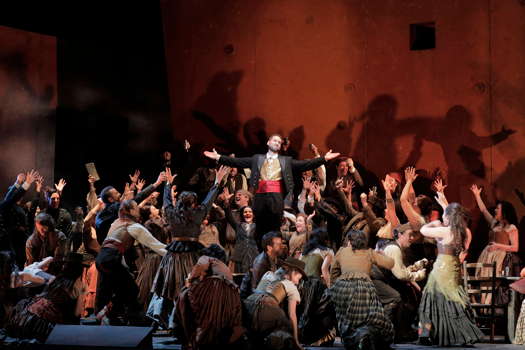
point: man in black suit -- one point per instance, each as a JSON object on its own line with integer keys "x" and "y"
{"x": 271, "y": 180}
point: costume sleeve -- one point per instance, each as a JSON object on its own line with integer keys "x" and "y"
{"x": 242, "y": 163}
{"x": 382, "y": 260}
{"x": 141, "y": 234}
{"x": 291, "y": 291}
{"x": 303, "y": 165}
{"x": 400, "y": 270}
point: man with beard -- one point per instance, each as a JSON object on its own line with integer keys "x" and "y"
{"x": 271, "y": 180}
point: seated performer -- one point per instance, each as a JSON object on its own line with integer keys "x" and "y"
{"x": 60, "y": 303}
{"x": 395, "y": 286}
{"x": 268, "y": 323}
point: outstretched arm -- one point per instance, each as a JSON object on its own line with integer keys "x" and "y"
{"x": 303, "y": 165}
{"x": 229, "y": 161}
{"x": 481, "y": 205}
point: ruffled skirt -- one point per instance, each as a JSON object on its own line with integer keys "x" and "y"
{"x": 445, "y": 315}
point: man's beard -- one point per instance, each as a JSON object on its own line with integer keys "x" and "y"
{"x": 274, "y": 149}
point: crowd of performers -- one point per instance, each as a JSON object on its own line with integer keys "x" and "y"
{"x": 268, "y": 252}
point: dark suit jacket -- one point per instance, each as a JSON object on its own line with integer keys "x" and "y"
{"x": 288, "y": 167}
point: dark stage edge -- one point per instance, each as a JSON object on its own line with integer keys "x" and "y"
{"x": 167, "y": 343}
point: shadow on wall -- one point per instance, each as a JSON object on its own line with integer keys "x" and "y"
{"x": 219, "y": 103}
{"x": 375, "y": 150}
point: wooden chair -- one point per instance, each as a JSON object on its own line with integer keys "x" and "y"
{"x": 479, "y": 289}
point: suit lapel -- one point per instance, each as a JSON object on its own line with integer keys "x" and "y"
{"x": 282, "y": 163}
{"x": 260, "y": 161}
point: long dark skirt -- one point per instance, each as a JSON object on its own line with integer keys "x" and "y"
{"x": 209, "y": 320}
{"x": 174, "y": 267}
{"x": 146, "y": 275}
{"x": 359, "y": 312}
{"x": 316, "y": 314}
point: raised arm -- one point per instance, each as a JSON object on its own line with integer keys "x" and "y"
{"x": 389, "y": 184}
{"x": 414, "y": 218}
{"x": 477, "y": 195}
{"x": 345, "y": 194}
{"x": 229, "y": 161}
{"x": 214, "y": 191}
{"x": 355, "y": 173}
{"x": 440, "y": 192}
{"x": 151, "y": 188}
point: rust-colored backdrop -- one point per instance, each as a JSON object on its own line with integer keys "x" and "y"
{"x": 340, "y": 74}
{"x": 28, "y": 85}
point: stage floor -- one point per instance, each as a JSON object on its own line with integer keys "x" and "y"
{"x": 167, "y": 343}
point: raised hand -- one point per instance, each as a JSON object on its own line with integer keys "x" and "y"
{"x": 221, "y": 173}
{"x": 39, "y": 182}
{"x": 162, "y": 177}
{"x": 441, "y": 199}
{"x": 212, "y": 155}
{"x": 410, "y": 174}
{"x": 331, "y": 155}
{"x": 187, "y": 146}
{"x": 350, "y": 163}
{"x": 438, "y": 185}
{"x": 135, "y": 177}
{"x": 32, "y": 176}
{"x": 476, "y": 190}
{"x": 307, "y": 184}
{"x": 316, "y": 190}
{"x": 226, "y": 194}
{"x": 140, "y": 184}
{"x": 314, "y": 149}
{"x": 364, "y": 200}
{"x": 372, "y": 192}
{"x": 169, "y": 176}
{"x": 60, "y": 186}
{"x": 20, "y": 178}
{"x": 128, "y": 193}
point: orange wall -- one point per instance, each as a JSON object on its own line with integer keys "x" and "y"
{"x": 28, "y": 82}
{"x": 339, "y": 73}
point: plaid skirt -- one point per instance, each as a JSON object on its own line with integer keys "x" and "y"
{"x": 356, "y": 305}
